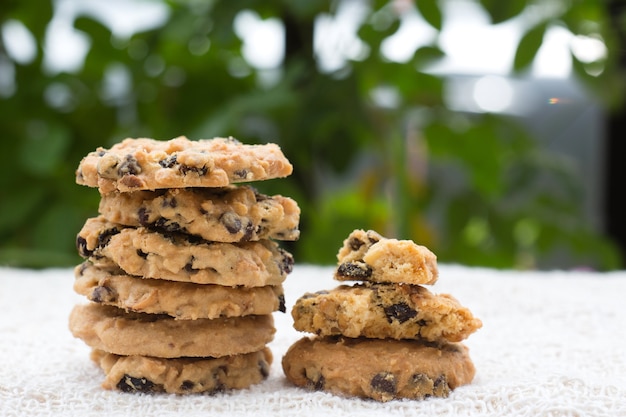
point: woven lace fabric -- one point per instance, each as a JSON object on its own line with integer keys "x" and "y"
{"x": 552, "y": 344}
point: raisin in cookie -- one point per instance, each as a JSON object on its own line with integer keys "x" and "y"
{"x": 148, "y": 164}
{"x": 179, "y": 257}
{"x": 113, "y": 330}
{"x": 381, "y": 369}
{"x": 185, "y": 301}
{"x": 229, "y": 214}
{"x": 398, "y": 311}
{"x": 183, "y": 375}
{"x": 367, "y": 256}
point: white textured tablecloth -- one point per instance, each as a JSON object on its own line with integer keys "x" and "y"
{"x": 552, "y": 344}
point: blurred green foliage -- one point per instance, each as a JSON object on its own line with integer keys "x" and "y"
{"x": 358, "y": 164}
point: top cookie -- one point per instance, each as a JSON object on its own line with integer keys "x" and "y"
{"x": 148, "y": 164}
{"x": 368, "y": 256}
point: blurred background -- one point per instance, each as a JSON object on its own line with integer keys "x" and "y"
{"x": 489, "y": 131}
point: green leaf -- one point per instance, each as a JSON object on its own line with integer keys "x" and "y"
{"x": 16, "y": 209}
{"x": 426, "y": 55}
{"x": 429, "y": 9}
{"x": 500, "y": 11}
{"x": 37, "y": 258}
{"x": 528, "y": 47}
{"x": 43, "y": 150}
{"x": 34, "y": 14}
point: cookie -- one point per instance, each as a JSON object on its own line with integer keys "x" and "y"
{"x": 113, "y": 330}
{"x": 148, "y": 164}
{"x": 185, "y": 301}
{"x": 380, "y": 369}
{"x": 229, "y": 214}
{"x": 398, "y": 311}
{"x": 183, "y": 375}
{"x": 368, "y": 256}
{"x": 179, "y": 257}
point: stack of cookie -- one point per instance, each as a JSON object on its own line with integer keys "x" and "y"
{"x": 182, "y": 268}
{"x": 387, "y": 336}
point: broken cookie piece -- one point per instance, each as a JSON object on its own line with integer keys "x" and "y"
{"x": 368, "y": 256}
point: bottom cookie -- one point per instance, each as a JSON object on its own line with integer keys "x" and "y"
{"x": 381, "y": 369}
{"x": 183, "y": 375}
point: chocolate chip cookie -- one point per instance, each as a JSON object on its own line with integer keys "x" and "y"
{"x": 379, "y": 369}
{"x": 185, "y": 301}
{"x": 398, "y": 311}
{"x": 180, "y": 257}
{"x": 229, "y": 214}
{"x": 113, "y": 330}
{"x": 368, "y": 256}
{"x": 148, "y": 164}
{"x": 183, "y": 375}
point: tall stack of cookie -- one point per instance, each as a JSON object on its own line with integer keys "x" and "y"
{"x": 182, "y": 269}
{"x": 387, "y": 336}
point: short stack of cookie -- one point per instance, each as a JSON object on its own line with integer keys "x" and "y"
{"x": 387, "y": 336}
{"x": 182, "y": 269}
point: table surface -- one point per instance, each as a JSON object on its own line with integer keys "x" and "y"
{"x": 552, "y": 344}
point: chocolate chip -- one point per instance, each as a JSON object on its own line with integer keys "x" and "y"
{"x": 168, "y": 162}
{"x": 264, "y": 368}
{"x": 287, "y": 262}
{"x": 189, "y": 266}
{"x": 143, "y": 215}
{"x": 249, "y": 231}
{"x": 166, "y": 225}
{"x": 317, "y": 384}
{"x": 384, "y": 382}
{"x": 241, "y": 173}
{"x": 185, "y": 169}
{"x": 440, "y": 381}
{"x": 81, "y": 246}
{"x": 171, "y": 202}
{"x": 82, "y": 269}
{"x": 187, "y": 385}
{"x": 259, "y": 197}
{"x": 354, "y": 270}
{"x": 105, "y": 236}
{"x": 142, "y": 254}
{"x": 419, "y": 379}
{"x": 441, "y": 387}
{"x": 400, "y": 312}
{"x": 129, "y": 166}
{"x": 281, "y": 304}
{"x": 231, "y": 222}
{"x": 103, "y": 294}
{"x": 355, "y": 244}
{"x": 132, "y": 384}
{"x": 372, "y": 236}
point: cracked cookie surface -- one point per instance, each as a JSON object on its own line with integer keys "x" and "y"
{"x": 185, "y": 258}
{"x": 144, "y": 374}
{"x": 115, "y": 331}
{"x": 368, "y": 256}
{"x": 397, "y": 311}
{"x": 185, "y": 301}
{"x": 229, "y": 214}
{"x": 148, "y": 164}
{"x": 381, "y": 369}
